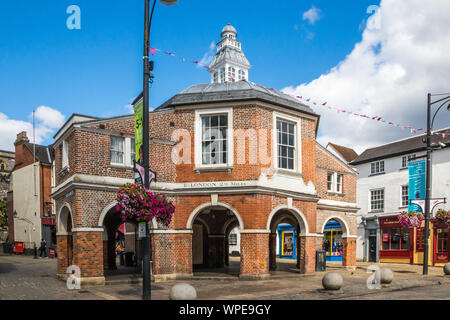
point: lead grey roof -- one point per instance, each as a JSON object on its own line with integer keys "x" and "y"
{"x": 233, "y": 91}
{"x": 401, "y": 147}
{"x": 232, "y": 55}
{"x": 228, "y": 28}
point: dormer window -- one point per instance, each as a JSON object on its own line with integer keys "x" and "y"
{"x": 215, "y": 77}
{"x": 222, "y": 75}
{"x": 231, "y": 74}
{"x": 241, "y": 75}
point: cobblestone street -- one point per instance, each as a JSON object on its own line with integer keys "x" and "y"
{"x": 25, "y": 278}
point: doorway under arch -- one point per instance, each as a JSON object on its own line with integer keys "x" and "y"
{"x": 212, "y": 226}
{"x": 285, "y": 227}
{"x": 122, "y": 250}
{"x": 335, "y": 231}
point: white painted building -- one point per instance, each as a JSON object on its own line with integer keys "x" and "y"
{"x": 382, "y": 186}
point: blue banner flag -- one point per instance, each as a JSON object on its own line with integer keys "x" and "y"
{"x": 416, "y": 187}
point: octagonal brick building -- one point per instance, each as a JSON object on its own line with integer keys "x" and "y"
{"x": 229, "y": 153}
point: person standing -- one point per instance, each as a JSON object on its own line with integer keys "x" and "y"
{"x": 43, "y": 248}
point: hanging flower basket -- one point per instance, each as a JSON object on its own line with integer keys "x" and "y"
{"x": 442, "y": 217}
{"x": 137, "y": 205}
{"x": 410, "y": 219}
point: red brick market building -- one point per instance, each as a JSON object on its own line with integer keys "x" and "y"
{"x": 228, "y": 153}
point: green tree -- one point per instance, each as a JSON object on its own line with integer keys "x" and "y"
{"x": 3, "y": 214}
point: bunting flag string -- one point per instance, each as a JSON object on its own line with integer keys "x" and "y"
{"x": 308, "y": 100}
{"x": 154, "y": 50}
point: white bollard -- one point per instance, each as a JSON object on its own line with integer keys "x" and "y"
{"x": 183, "y": 291}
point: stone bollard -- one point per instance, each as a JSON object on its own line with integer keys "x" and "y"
{"x": 386, "y": 276}
{"x": 182, "y": 291}
{"x": 332, "y": 281}
{"x": 447, "y": 269}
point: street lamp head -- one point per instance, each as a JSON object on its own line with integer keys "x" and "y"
{"x": 168, "y": 2}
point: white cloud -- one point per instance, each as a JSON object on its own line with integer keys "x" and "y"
{"x": 388, "y": 74}
{"x": 48, "y": 120}
{"x": 208, "y": 56}
{"x": 312, "y": 15}
{"x": 49, "y": 117}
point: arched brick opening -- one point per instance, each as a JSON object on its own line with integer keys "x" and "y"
{"x": 111, "y": 221}
{"x": 211, "y": 225}
{"x": 343, "y": 244}
{"x": 305, "y": 244}
{"x": 283, "y": 216}
{"x": 64, "y": 239}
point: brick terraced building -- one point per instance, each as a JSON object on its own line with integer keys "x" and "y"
{"x": 228, "y": 153}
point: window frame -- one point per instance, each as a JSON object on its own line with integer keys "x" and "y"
{"x": 111, "y": 150}
{"x": 406, "y": 158}
{"x": 65, "y": 154}
{"x": 127, "y": 152}
{"x": 371, "y": 209}
{"x": 402, "y": 205}
{"x": 334, "y": 182}
{"x": 297, "y": 143}
{"x": 198, "y": 151}
{"x": 380, "y": 164}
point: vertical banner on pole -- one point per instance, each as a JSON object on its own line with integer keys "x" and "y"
{"x": 416, "y": 187}
{"x": 138, "y": 138}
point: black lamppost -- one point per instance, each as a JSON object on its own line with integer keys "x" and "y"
{"x": 148, "y": 66}
{"x": 428, "y": 172}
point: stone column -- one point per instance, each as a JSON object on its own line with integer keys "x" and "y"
{"x": 273, "y": 251}
{"x": 349, "y": 252}
{"x": 88, "y": 254}
{"x": 172, "y": 254}
{"x": 254, "y": 254}
{"x": 307, "y": 254}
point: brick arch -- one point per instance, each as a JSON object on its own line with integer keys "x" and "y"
{"x": 343, "y": 223}
{"x": 110, "y": 206}
{"x": 62, "y": 219}
{"x": 206, "y": 205}
{"x": 304, "y": 229}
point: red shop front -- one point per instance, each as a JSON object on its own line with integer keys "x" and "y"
{"x": 396, "y": 241}
{"x": 441, "y": 239}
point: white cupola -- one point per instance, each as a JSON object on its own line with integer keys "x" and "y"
{"x": 230, "y": 63}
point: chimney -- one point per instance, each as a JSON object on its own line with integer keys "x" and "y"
{"x": 21, "y": 138}
{"x": 21, "y": 158}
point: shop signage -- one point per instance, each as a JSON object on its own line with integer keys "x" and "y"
{"x": 49, "y": 221}
{"x": 420, "y": 239}
{"x": 218, "y": 184}
{"x": 416, "y": 187}
{"x": 141, "y": 229}
{"x": 388, "y": 221}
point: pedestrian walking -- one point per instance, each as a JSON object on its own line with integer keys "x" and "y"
{"x": 43, "y": 248}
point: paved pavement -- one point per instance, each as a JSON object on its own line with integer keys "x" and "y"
{"x": 25, "y": 278}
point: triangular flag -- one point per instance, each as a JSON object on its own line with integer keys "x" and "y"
{"x": 152, "y": 51}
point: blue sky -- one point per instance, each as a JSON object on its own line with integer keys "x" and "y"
{"x": 97, "y": 70}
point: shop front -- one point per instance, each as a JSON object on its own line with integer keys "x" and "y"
{"x": 440, "y": 243}
{"x": 287, "y": 244}
{"x": 332, "y": 241}
{"x": 396, "y": 241}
